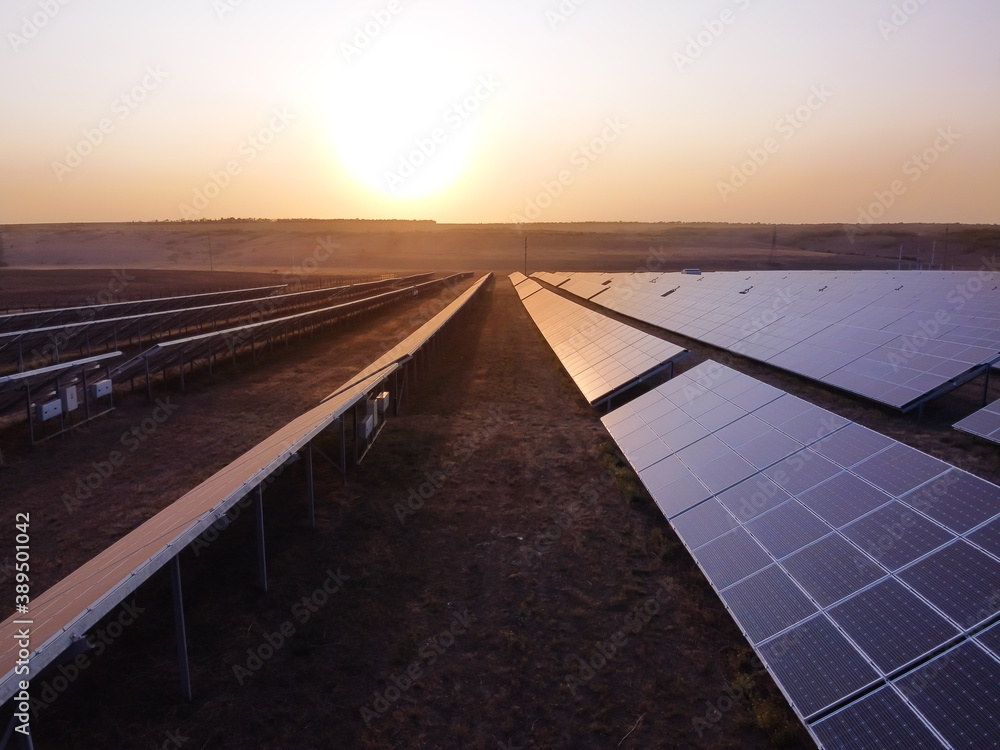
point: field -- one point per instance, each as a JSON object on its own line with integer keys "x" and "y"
{"x": 483, "y": 615}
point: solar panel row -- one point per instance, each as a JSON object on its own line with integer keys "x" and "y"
{"x": 603, "y": 356}
{"x": 64, "y": 613}
{"x": 229, "y": 340}
{"x": 895, "y": 338}
{"x": 985, "y": 423}
{"x": 63, "y": 315}
{"x": 39, "y": 343}
{"x": 862, "y": 571}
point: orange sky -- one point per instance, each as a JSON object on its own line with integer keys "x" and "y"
{"x": 474, "y": 111}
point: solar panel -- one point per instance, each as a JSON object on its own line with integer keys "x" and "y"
{"x": 985, "y": 423}
{"x": 957, "y": 694}
{"x": 990, "y": 638}
{"x": 843, "y": 498}
{"x": 895, "y": 535}
{"x": 603, "y": 356}
{"x": 892, "y": 625}
{"x": 832, "y": 569}
{"x": 703, "y": 523}
{"x": 786, "y": 529}
{"x": 957, "y": 500}
{"x": 879, "y": 721}
{"x": 842, "y": 562}
{"x": 862, "y": 331}
{"x": 960, "y": 580}
{"x": 767, "y": 603}
{"x": 732, "y": 557}
{"x": 899, "y": 469}
{"x": 816, "y": 665}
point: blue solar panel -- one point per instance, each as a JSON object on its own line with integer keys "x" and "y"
{"x": 731, "y": 557}
{"x": 961, "y": 581}
{"x": 957, "y": 694}
{"x": 704, "y": 523}
{"x": 895, "y": 535}
{"x": 767, "y": 603}
{"x": 892, "y": 625}
{"x": 899, "y": 469}
{"x": 851, "y": 445}
{"x": 752, "y": 497}
{"x": 988, "y": 537}
{"x": 802, "y": 471}
{"x": 787, "y": 528}
{"x": 832, "y": 569}
{"x": 843, "y": 498}
{"x": 816, "y": 665}
{"x": 990, "y": 638}
{"x": 958, "y": 500}
{"x": 880, "y": 721}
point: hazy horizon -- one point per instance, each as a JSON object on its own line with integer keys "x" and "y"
{"x": 734, "y": 111}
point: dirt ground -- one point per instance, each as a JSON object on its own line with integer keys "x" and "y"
{"x": 489, "y": 577}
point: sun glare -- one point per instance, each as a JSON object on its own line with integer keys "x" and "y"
{"x": 404, "y": 117}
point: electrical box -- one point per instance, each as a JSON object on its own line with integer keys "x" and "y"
{"x": 371, "y": 409}
{"x": 366, "y": 427}
{"x": 100, "y": 389}
{"x": 68, "y": 397}
{"x": 48, "y": 410}
{"x": 692, "y": 271}
{"x": 382, "y": 400}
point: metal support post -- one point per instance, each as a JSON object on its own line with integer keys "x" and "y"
{"x": 180, "y": 630}
{"x": 261, "y": 555}
{"x": 311, "y": 487}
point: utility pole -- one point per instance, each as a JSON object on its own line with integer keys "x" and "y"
{"x": 899, "y": 267}
{"x": 946, "y": 248}
{"x": 525, "y": 255}
{"x": 933, "y": 250}
{"x": 774, "y": 244}
{"x": 211, "y": 261}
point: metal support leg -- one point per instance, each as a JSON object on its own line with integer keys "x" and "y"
{"x": 31, "y": 417}
{"x": 986, "y": 388}
{"x": 343, "y": 449}
{"x": 311, "y": 487}
{"x": 149, "y": 383}
{"x": 180, "y": 630}
{"x": 261, "y": 555}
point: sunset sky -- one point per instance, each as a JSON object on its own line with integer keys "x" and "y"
{"x": 476, "y": 111}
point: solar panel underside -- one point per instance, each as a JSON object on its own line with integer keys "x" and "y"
{"x": 892, "y": 337}
{"x": 601, "y": 355}
{"x": 851, "y": 562}
{"x": 985, "y": 423}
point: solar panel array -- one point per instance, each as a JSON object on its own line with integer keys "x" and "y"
{"x": 16, "y": 346}
{"x": 228, "y": 340}
{"x": 898, "y": 338}
{"x": 65, "y": 612}
{"x": 64, "y": 315}
{"x": 40, "y": 383}
{"x": 865, "y": 573}
{"x": 985, "y": 423}
{"x": 603, "y": 356}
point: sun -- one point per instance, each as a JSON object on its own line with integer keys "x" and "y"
{"x": 402, "y": 120}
